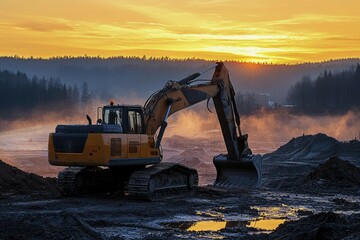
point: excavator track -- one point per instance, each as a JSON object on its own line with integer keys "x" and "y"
{"x": 75, "y": 181}
{"x": 162, "y": 181}
{"x": 66, "y": 181}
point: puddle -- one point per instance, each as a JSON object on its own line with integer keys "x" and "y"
{"x": 207, "y": 226}
{"x": 279, "y": 212}
{"x": 265, "y": 224}
{"x": 267, "y": 220}
{"x": 200, "y": 226}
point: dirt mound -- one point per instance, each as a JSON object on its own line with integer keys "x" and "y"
{"x": 191, "y": 157}
{"x": 325, "y": 225}
{"x": 314, "y": 147}
{"x": 321, "y": 226}
{"x": 302, "y": 155}
{"x": 334, "y": 175}
{"x": 199, "y": 159}
{"x": 336, "y": 172}
{"x": 15, "y": 181}
{"x": 308, "y": 147}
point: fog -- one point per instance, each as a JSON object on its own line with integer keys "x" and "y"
{"x": 264, "y": 126}
{"x": 23, "y": 143}
{"x": 267, "y": 130}
{"x": 281, "y": 125}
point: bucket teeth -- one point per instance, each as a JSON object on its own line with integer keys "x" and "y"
{"x": 245, "y": 173}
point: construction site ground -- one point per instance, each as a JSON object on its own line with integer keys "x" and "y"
{"x": 310, "y": 190}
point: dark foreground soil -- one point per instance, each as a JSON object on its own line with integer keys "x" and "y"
{"x": 320, "y": 226}
{"x": 314, "y": 164}
{"x": 335, "y": 175}
{"x": 15, "y": 181}
{"x": 311, "y": 191}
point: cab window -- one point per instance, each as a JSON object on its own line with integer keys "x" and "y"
{"x": 112, "y": 116}
{"x": 135, "y": 122}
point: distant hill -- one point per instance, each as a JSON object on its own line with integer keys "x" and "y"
{"x": 122, "y": 77}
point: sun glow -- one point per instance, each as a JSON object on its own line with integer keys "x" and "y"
{"x": 276, "y": 32}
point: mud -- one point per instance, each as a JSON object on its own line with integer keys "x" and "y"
{"x": 30, "y": 208}
{"x": 327, "y": 225}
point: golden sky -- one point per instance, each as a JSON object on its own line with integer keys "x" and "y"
{"x": 277, "y": 31}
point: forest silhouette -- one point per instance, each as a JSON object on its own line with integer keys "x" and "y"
{"x": 65, "y": 84}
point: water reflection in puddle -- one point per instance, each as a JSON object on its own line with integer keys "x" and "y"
{"x": 266, "y": 224}
{"x": 259, "y": 224}
{"x": 205, "y": 225}
{"x": 269, "y": 218}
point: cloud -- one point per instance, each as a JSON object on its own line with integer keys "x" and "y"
{"x": 46, "y": 26}
{"x": 312, "y": 18}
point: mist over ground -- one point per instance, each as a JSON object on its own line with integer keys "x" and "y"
{"x": 272, "y": 128}
{"x": 269, "y": 129}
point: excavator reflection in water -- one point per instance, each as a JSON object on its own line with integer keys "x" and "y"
{"x": 122, "y": 151}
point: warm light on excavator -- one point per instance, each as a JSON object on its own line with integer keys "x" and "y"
{"x": 123, "y": 140}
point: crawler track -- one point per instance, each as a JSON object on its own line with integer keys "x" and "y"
{"x": 82, "y": 181}
{"x": 164, "y": 180}
{"x": 66, "y": 181}
{"x": 161, "y": 181}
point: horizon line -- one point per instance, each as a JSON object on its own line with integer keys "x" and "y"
{"x": 167, "y": 58}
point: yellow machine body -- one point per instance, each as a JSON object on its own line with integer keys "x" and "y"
{"x": 110, "y": 149}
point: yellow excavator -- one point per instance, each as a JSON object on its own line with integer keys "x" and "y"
{"x": 122, "y": 150}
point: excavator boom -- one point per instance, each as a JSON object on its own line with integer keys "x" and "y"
{"x": 238, "y": 168}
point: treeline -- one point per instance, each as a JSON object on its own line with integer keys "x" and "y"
{"x": 130, "y": 59}
{"x": 20, "y": 95}
{"x": 247, "y": 103}
{"x": 328, "y": 90}
{"x": 121, "y": 76}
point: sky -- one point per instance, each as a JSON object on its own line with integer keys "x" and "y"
{"x": 272, "y": 31}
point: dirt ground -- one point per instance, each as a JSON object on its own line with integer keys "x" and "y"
{"x": 275, "y": 211}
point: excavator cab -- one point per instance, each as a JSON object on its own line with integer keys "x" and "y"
{"x": 130, "y": 118}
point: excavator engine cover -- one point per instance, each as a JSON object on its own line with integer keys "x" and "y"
{"x": 237, "y": 174}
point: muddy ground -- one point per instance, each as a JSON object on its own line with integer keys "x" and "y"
{"x": 323, "y": 203}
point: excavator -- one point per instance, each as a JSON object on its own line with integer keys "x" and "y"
{"x": 122, "y": 151}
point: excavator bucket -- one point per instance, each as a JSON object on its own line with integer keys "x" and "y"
{"x": 245, "y": 173}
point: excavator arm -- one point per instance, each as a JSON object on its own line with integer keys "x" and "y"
{"x": 236, "y": 168}
{"x": 177, "y": 95}
{"x": 173, "y": 97}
